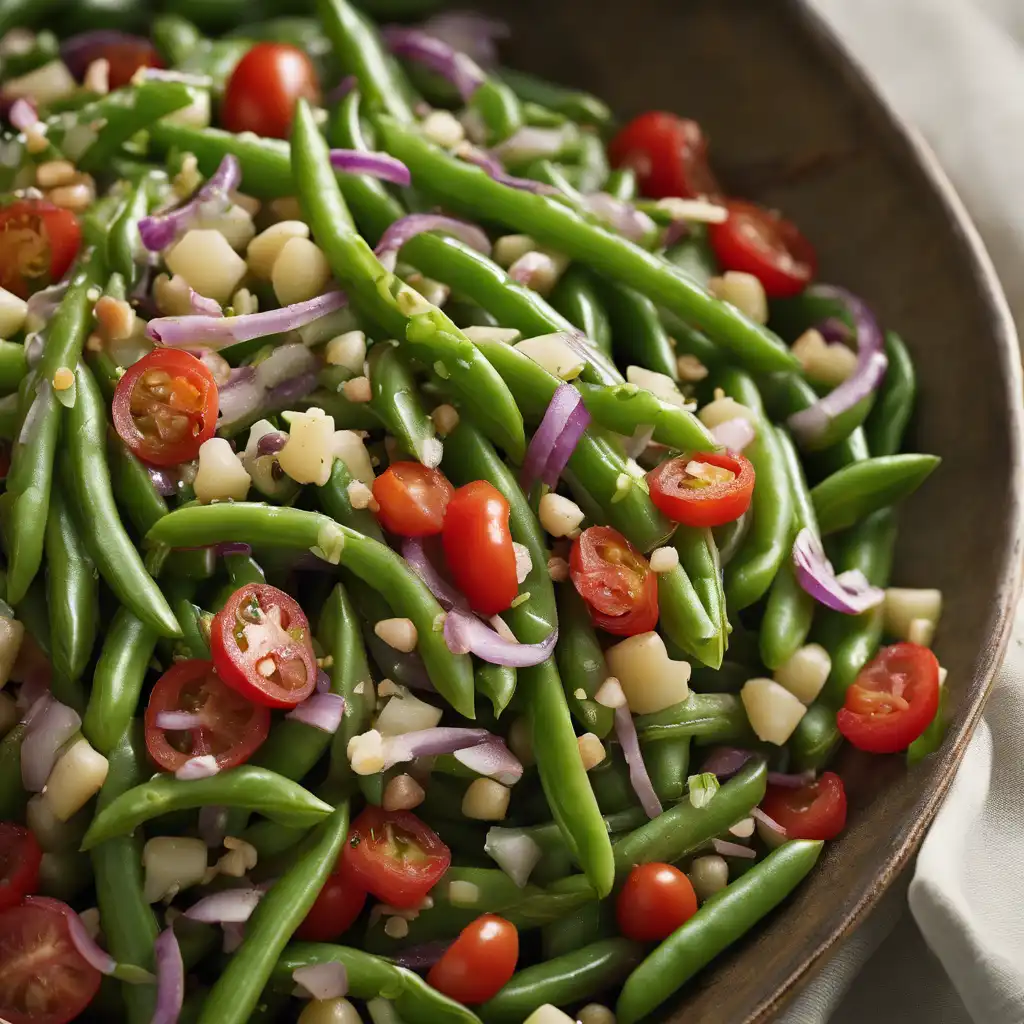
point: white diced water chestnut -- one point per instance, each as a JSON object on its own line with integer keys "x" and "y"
{"x": 723, "y": 409}
{"x": 904, "y": 605}
{"x": 205, "y": 259}
{"x": 406, "y": 713}
{"x": 329, "y": 1011}
{"x": 234, "y": 223}
{"x": 708, "y": 875}
{"x": 555, "y": 354}
{"x": 824, "y": 363}
{"x": 773, "y": 711}
{"x": 659, "y": 384}
{"x": 348, "y": 350}
{"x": 486, "y": 800}
{"x": 221, "y": 475}
{"x": 13, "y": 311}
{"x": 351, "y": 449}
{"x": 301, "y": 272}
{"x": 264, "y": 249}
{"x": 559, "y": 515}
{"x": 804, "y": 673}
{"x": 650, "y": 679}
{"x": 172, "y": 863}
{"x": 509, "y": 248}
{"x": 399, "y": 633}
{"x": 308, "y": 454}
{"x": 463, "y": 894}
{"x": 548, "y": 1014}
{"x": 76, "y": 778}
{"x": 744, "y": 291}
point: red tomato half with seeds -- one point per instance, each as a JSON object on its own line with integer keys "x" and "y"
{"x": 413, "y": 499}
{"x": 760, "y": 242}
{"x": 654, "y": 902}
{"x": 395, "y": 856}
{"x": 262, "y": 647}
{"x": 817, "y": 811}
{"x": 226, "y": 724}
{"x": 165, "y": 407}
{"x": 20, "y": 857}
{"x": 265, "y": 86}
{"x": 711, "y": 499}
{"x": 479, "y": 963}
{"x": 615, "y": 580}
{"x": 38, "y": 243}
{"x": 893, "y": 700}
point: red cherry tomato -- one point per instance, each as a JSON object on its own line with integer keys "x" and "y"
{"x": 478, "y": 547}
{"x": 124, "y": 53}
{"x": 817, "y": 811}
{"x": 38, "y": 242}
{"x": 893, "y": 700}
{"x": 760, "y": 242}
{"x": 479, "y": 963}
{"x": 165, "y": 407}
{"x": 231, "y": 727}
{"x": 19, "y": 863}
{"x": 339, "y": 903}
{"x": 395, "y": 856}
{"x": 694, "y": 501}
{"x": 43, "y": 978}
{"x": 261, "y": 646}
{"x": 412, "y": 499}
{"x": 615, "y": 580}
{"x": 265, "y": 86}
{"x": 654, "y": 902}
{"x": 669, "y": 155}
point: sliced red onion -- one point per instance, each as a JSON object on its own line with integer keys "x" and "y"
{"x": 240, "y": 397}
{"x": 79, "y": 51}
{"x": 494, "y": 169}
{"x": 834, "y": 330}
{"x": 734, "y": 434}
{"x": 529, "y": 143}
{"x": 726, "y": 849}
{"x": 792, "y": 781}
{"x": 458, "y": 68}
{"x": 322, "y": 981}
{"x": 342, "y": 89}
{"x": 230, "y": 906}
{"x": 514, "y": 851}
{"x": 622, "y": 217}
{"x": 430, "y": 742}
{"x": 447, "y": 596}
{"x": 492, "y": 759}
{"x": 234, "y": 936}
{"x": 164, "y": 480}
{"x": 625, "y": 730}
{"x": 177, "y": 721}
{"x": 232, "y": 547}
{"x": 22, "y": 114}
{"x": 170, "y": 978}
{"x": 405, "y": 228}
{"x": 48, "y": 730}
{"x": 810, "y": 424}
{"x": 533, "y": 265}
{"x": 323, "y": 711}
{"x": 194, "y": 768}
{"x": 291, "y": 391}
{"x": 285, "y": 364}
{"x": 323, "y": 681}
{"x": 468, "y": 32}
{"x": 465, "y": 633}
{"x": 160, "y": 230}
{"x": 202, "y": 306}
{"x": 768, "y": 822}
{"x": 421, "y": 957}
{"x": 377, "y": 165}
{"x": 271, "y": 443}
{"x": 86, "y": 945}
{"x": 213, "y": 821}
{"x": 179, "y": 331}
{"x": 725, "y": 762}
{"x": 849, "y": 592}
{"x": 554, "y": 441}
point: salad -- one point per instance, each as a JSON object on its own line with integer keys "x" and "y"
{"x": 446, "y": 535}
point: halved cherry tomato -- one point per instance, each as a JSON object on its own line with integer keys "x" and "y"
{"x": 264, "y": 87}
{"x": 654, "y": 902}
{"x": 669, "y": 155}
{"x": 413, "y": 499}
{"x": 893, "y": 700}
{"x": 478, "y": 547}
{"x": 261, "y": 646}
{"x": 165, "y": 407}
{"x": 43, "y": 978}
{"x": 231, "y": 727}
{"x": 395, "y": 856}
{"x": 479, "y": 963}
{"x": 339, "y": 903}
{"x": 123, "y": 52}
{"x": 760, "y": 242}
{"x": 695, "y": 501}
{"x": 38, "y": 242}
{"x": 615, "y": 580}
{"x": 817, "y": 811}
{"x": 20, "y": 856}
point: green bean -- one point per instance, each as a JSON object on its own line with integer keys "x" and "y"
{"x": 248, "y": 787}
{"x": 709, "y": 717}
{"x": 668, "y": 763}
{"x": 334, "y": 500}
{"x": 720, "y": 922}
{"x": 895, "y": 402}
{"x": 13, "y": 366}
{"x": 581, "y": 663}
{"x": 9, "y": 418}
{"x": 572, "y": 932}
{"x": 123, "y": 241}
{"x": 638, "y": 336}
{"x": 175, "y": 37}
{"x": 13, "y": 797}
{"x": 593, "y": 163}
{"x": 396, "y": 400}
{"x": 685, "y": 621}
{"x": 498, "y": 108}
{"x": 194, "y": 641}
{"x": 815, "y": 739}
{"x": 577, "y": 297}
{"x": 622, "y": 184}
{"x": 237, "y": 990}
{"x": 133, "y": 487}
{"x": 575, "y": 105}
{"x": 497, "y": 683}
{"x": 931, "y": 739}
{"x": 698, "y": 555}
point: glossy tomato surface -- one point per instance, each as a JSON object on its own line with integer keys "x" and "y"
{"x": 817, "y": 811}
{"x": 337, "y": 906}
{"x": 479, "y": 963}
{"x": 38, "y": 243}
{"x": 413, "y": 499}
{"x": 655, "y": 900}
{"x": 20, "y": 857}
{"x": 265, "y": 86}
{"x": 703, "y": 501}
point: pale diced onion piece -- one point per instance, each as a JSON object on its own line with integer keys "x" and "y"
{"x": 650, "y": 679}
{"x": 196, "y": 114}
{"x": 548, "y": 1014}
{"x": 366, "y": 753}
{"x": 348, "y": 350}
{"x": 234, "y": 223}
{"x": 555, "y": 354}
{"x": 744, "y": 291}
{"x": 824, "y": 363}
{"x": 773, "y": 711}
{"x": 723, "y": 409}
{"x": 221, "y": 475}
{"x": 904, "y": 604}
{"x": 308, "y": 454}
{"x": 486, "y": 800}
{"x": 659, "y": 384}
{"x": 592, "y": 750}
{"x": 559, "y": 515}
{"x": 43, "y": 85}
{"x": 509, "y": 248}
{"x": 407, "y": 713}
{"x": 664, "y": 559}
{"x": 699, "y": 210}
{"x": 12, "y": 633}
{"x": 463, "y": 894}
{"x": 499, "y": 335}
{"x": 921, "y": 632}
{"x": 804, "y": 672}
{"x": 264, "y": 249}
{"x": 240, "y": 859}
{"x": 172, "y": 863}
{"x": 443, "y": 128}
{"x": 205, "y": 259}
{"x": 76, "y": 778}
{"x": 329, "y": 1011}
{"x": 446, "y": 418}
{"x": 13, "y": 311}
{"x": 351, "y": 449}
{"x": 769, "y": 836}
{"x": 708, "y": 875}
{"x": 301, "y": 272}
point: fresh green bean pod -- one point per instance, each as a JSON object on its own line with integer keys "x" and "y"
{"x": 581, "y": 663}
{"x": 133, "y": 487}
{"x": 894, "y": 405}
{"x": 396, "y": 400}
{"x": 638, "y": 336}
{"x": 334, "y": 500}
{"x": 577, "y": 297}
{"x": 13, "y": 366}
{"x": 708, "y": 717}
{"x": 668, "y": 763}
{"x": 497, "y": 683}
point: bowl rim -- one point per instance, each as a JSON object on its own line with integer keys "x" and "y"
{"x": 916, "y": 151}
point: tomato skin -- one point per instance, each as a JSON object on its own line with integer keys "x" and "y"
{"x": 38, "y": 243}
{"x": 264, "y": 87}
{"x": 655, "y": 900}
{"x": 615, "y": 580}
{"x": 892, "y": 701}
{"x": 413, "y": 499}
{"x": 669, "y": 155}
{"x": 186, "y": 389}
{"x": 817, "y": 811}
{"x": 123, "y": 52}
{"x": 235, "y": 727}
{"x": 702, "y": 505}
{"x": 20, "y": 856}
{"x": 478, "y": 547}
{"x": 43, "y": 978}
{"x": 758, "y": 241}
{"x": 369, "y": 856}
{"x": 479, "y": 963}
{"x": 337, "y": 906}
{"x": 264, "y": 613}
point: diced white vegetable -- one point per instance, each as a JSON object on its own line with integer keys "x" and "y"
{"x": 555, "y": 354}
{"x": 442, "y": 128}
{"x": 486, "y": 800}
{"x": 559, "y": 515}
{"x": 221, "y": 475}
{"x": 402, "y": 793}
{"x": 773, "y": 711}
{"x": 463, "y": 894}
{"x": 196, "y": 114}
{"x": 205, "y": 259}
{"x": 690, "y": 368}
{"x": 743, "y": 829}
{"x": 91, "y": 921}
{"x": 240, "y": 859}
{"x": 701, "y": 210}
{"x": 308, "y": 454}
{"x": 399, "y": 633}
{"x": 351, "y": 449}
{"x": 12, "y": 633}
{"x": 659, "y": 384}
{"x": 500, "y": 335}
{"x": 548, "y": 1014}
{"x": 446, "y": 419}
{"x": 515, "y": 852}
{"x": 264, "y": 249}
{"x": 903, "y": 605}
{"x": 348, "y": 350}
{"x": 396, "y": 927}
{"x": 824, "y": 363}
{"x": 592, "y": 750}
{"x": 12, "y": 313}
{"x": 723, "y": 409}
{"x": 76, "y": 778}
{"x": 358, "y": 389}
{"x": 172, "y": 863}
{"x": 258, "y": 430}
{"x": 366, "y": 753}
{"x": 43, "y": 85}
{"x": 664, "y": 559}
{"x": 650, "y": 679}
{"x": 769, "y": 836}
{"x": 509, "y": 248}
{"x": 610, "y": 694}
{"x": 301, "y": 272}
{"x": 805, "y": 672}
{"x": 234, "y": 224}
{"x": 744, "y": 291}
{"x": 708, "y": 875}
{"x": 329, "y": 1011}
{"x": 406, "y": 713}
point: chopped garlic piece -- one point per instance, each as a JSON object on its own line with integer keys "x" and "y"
{"x": 664, "y": 559}
{"x": 360, "y": 496}
{"x": 659, "y": 384}
{"x": 592, "y": 750}
{"x": 357, "y": 389}
{"x": 443, "y": 129}
{"x": 723, "y": 409}
{"x": 824, "y": 363}
{"x": 366, "y": 753}
{"x": 265, "y": 248}
{"x": 559, "y": 515}
{"x": 499, "y": 335}
{"x": 446, "y": 419}
{"x": 610, "y": 694}
{"x": 399, "y": 633}
{"x": 348, "y": 350}
{"x": 555, "y": 354}
{"x": 205, "y": 259}
{"x": 744, "y": 291}
{"x": 486, "y": 800}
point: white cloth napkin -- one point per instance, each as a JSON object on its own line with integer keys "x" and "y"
{"x": 955, "y": 69}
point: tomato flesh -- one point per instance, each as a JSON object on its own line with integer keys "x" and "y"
{"x": 479, "y": 963}
{"x": 395, "y": 856}
{"x": 760, "y": 242}
{"x": 265, "y": 86}
{"x": 698, "y": 501}
{"x": 43, "y": 978}
{"x": 478, "y": 547}
{"x": 655, "y": 900}
{"x": 337, "y": 906}
{"x": 669, "y": 155}
{"x": 413, "y": 499}
{"x": 892, "y": 701}
{"x": 20, "y": 856}
{"x": 231, "y": 728}
{"x": 615, "y": 580}
{"x": 816, "y": 811}
{"x": 262, "y": 647}
{"x": 165, "y": 407}
{"x": 38, "y": 243}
